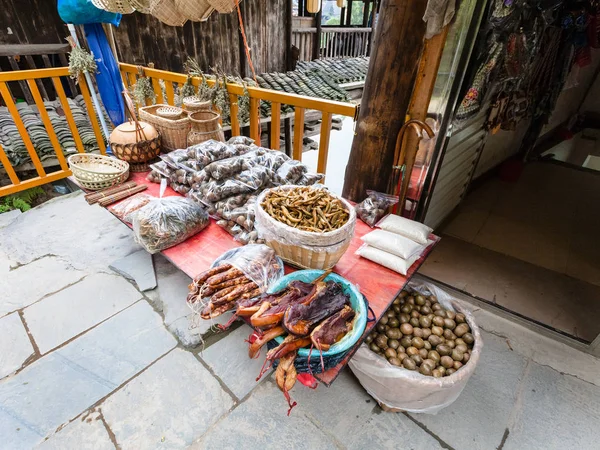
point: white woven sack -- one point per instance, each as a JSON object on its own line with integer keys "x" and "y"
{"x": 115, "y": 6}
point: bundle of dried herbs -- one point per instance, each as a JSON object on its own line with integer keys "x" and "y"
{"x": 81, "y": 61}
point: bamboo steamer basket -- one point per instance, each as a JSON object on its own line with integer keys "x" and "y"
{"x": 195, "y": 10}
{"x": 142, "y": 6}
{"x": 174, "y": 132}
{"x": 319, "y": 250}
{"x": 114, "y": 6}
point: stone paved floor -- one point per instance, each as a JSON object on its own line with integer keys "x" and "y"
{"x": 87, "y": 361}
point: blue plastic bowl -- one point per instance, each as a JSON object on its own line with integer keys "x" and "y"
{"x": 356, "y": 300}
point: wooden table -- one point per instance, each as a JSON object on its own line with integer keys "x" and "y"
{"x": 379, "y": 285}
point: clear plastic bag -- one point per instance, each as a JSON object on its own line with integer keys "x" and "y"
{"x": 242, "y": 215}
{"x": 125, "y": 209}
{"x": 291, "y": 171}
{"x": 308, "y": 179}
{"x": 174, "y": 158}
{"x": 228, "y": 168}
{"x": 258, "y": 262}
{"x": 416, "y": 231}
{"x": 165, "y": 222}
{"x": 244, "y": 140}
{"x": 154, "y": 176}
{"x": 407, "y": 390}
{"x": 374, "y": 207}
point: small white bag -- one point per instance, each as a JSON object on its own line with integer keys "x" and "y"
{"x": 386, "y": 259}
{"x": 395, "y": 244}
{"x": 416, "y": 231}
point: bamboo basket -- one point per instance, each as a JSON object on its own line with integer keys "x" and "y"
{"x": 193, "y": 104}
{"x": 197, "y": 137}
{"x": 195, "y": 10}
{"x": 319, "y": 250}
{"x": 204, "y": 121}
{"x": 167, "y": 12}
{"x": 223, "y": 6}
{"x": 174, "y": 133}
{"x": 95, "y": 172}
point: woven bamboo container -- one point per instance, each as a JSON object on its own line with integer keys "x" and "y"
{"x": 174, "y": 133}
{"x": 319, "y": 250}
{"x": 95, "y": 172}
{"x": 204, "y": 121}
{"x": 195, "y": 10}
{"x": 193, "y": 104}
{"x": 223, "y": 6}
{"x": 167, "y": 12}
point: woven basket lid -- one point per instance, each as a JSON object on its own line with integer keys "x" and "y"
{"x": 115, "y": 6}
{"x": 169, "y": 112}
{"x": 167, "y": 12}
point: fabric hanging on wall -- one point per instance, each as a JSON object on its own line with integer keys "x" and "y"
{"x": 438, "y": 14}
{"x": 80, "y": 12}
{"x": 108, "y": 78}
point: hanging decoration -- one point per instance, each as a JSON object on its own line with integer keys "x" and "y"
{"x": 143, "y": 89}
{"x": 80, "y": 61}
{"x": 313, "y": 6}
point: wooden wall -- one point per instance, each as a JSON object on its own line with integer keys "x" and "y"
{"x": 217, "y": 42}
{"x": 142, "y": 39}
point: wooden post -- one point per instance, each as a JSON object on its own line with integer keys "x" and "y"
{"x": 316, "y": 50}
{"x": 392, "y": 71}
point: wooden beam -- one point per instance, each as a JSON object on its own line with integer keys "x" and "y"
{"x": 392, "y": 71}
{"x": 316, "y": 50}
{"x": 33, "y": 49}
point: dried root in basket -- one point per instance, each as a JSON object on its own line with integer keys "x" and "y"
{"x": 306, "y": 208}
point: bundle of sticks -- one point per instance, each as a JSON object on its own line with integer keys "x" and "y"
{"x": 113, "y": 194}
{"x": 219, "y": 289}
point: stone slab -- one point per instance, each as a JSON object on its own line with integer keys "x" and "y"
{"x": 27, "y": 284}
{"x": 15, "y": 347}
{"x": 228, "y": 359}
{"x": 557, "y": 411}
{"x": 8, "y": 217}
{"x": 60, "y": 386}
{"x": 261, "y": 422}
{"x": 170, "y": 298}
{"x": 137, "y": 267}
{"x": 84, "y": 433}
{"x": 100, "y": 237}
{"x": 349, "y": 413}
{"x": 481, "y": 414}
{"x": 77, "y": 308}
{"x": 169, "y": 405}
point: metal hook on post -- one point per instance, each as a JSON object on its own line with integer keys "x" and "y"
{"x": 399, "y": 168}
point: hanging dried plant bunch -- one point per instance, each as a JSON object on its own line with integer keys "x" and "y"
{"x": 81, "y": 61}
{"x": 205, "y": 92}
{"x": 188, "y": 89}
{"x": 221, "y": 98}
{"x": 143, "y": 90}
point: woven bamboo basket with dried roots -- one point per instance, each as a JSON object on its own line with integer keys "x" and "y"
{"x": 174, "y": 132}
{"x": 319, "y": 250}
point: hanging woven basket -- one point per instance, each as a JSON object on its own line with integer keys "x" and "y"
{"x": 195, "y": 10}
{"x": 167, "y": 12}
{"x": 114, "y": 6}
{"x": 142, "y": 6}
{"x": 223, "y": 6}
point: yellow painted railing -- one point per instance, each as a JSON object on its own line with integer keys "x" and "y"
{"x": 300, "y": 103}
{"x": 31, "y": 77}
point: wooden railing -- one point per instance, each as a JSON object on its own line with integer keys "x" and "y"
{"x": 30, "y": 79}
{"x": 334, "y": 42}
{"x": 300, "y": 103}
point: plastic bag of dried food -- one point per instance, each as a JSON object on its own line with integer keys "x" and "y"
{"x": 385, "y": 259}
{"x": 174, "y": 158}
{"x": 258, "y": 262}
{"x": 416, "y": 231}
{"x": 242, "y": 215}
{"x": 227, "y": 168}
{"x": 408, "y": 390}
{"x": 165, "y": 222}
{"x": 125, "y": 209}
{"x": 291, "y": 171}
{"x": 308, "y": 179}
{"x": 245, "y": 140}
{"x": 154, "y": 177}
{"x": 374, "y": 207}
{"x": 271, "y": 159}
